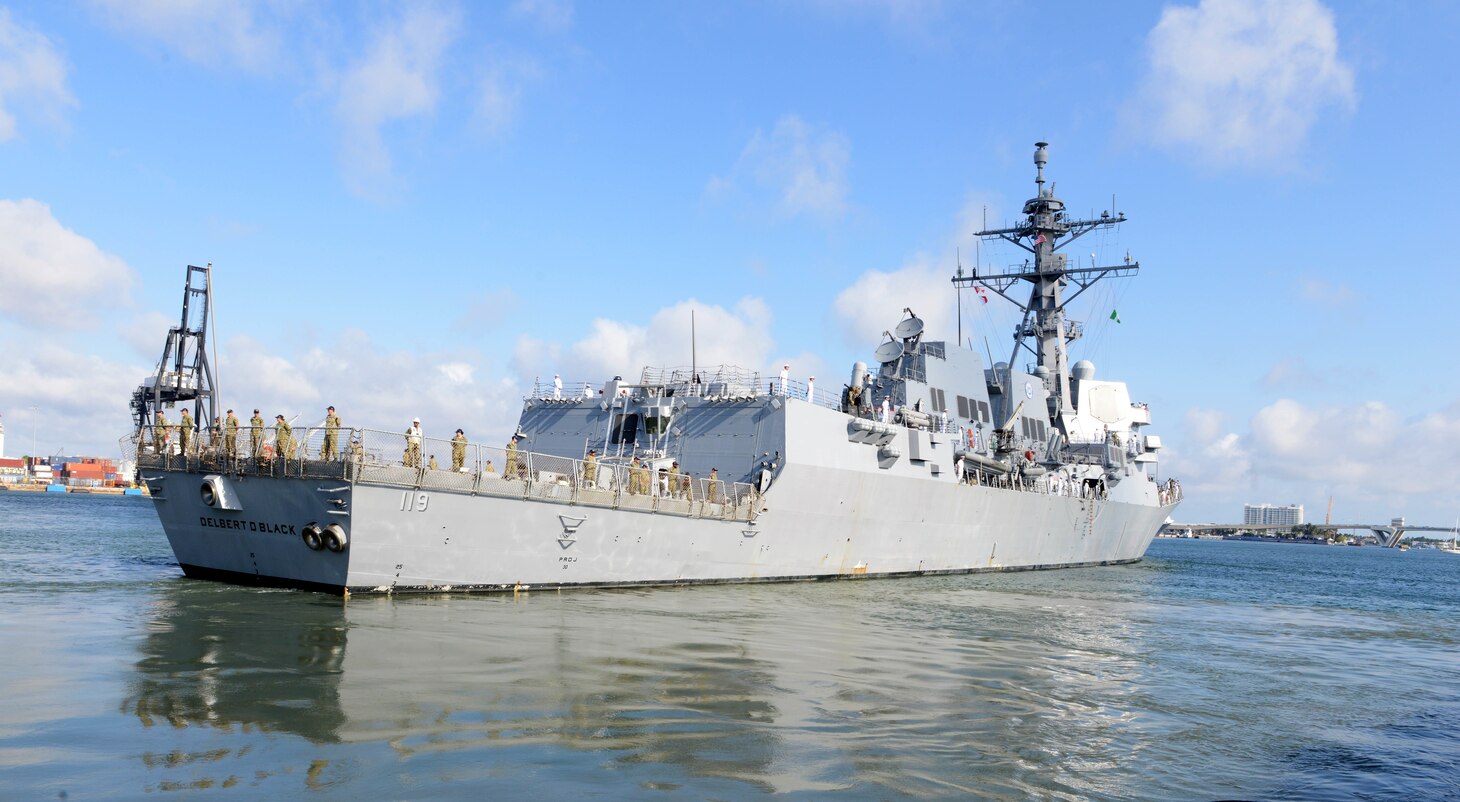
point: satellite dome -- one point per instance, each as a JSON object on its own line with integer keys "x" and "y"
{"x": 1084, "y": 369}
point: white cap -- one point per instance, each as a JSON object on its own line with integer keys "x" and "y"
{"x": 415, "y": 420}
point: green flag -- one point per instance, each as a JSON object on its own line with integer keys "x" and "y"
{"x": 1114, "y": 315}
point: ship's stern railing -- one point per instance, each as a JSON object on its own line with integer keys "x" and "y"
{"x": 398, "y": 459}
{"x": 314, "y": 452}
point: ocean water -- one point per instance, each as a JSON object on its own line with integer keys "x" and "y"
{"x": 1210, "y": 670}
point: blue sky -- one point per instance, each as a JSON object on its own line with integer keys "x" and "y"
{"x": 417, "y": 208}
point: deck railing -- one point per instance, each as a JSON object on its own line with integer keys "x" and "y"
{"x": 397, "y": 459}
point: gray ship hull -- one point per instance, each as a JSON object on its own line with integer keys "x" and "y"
{"x": 816, "y": 523}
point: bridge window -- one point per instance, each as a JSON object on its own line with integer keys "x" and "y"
{"x": 625, "y": 429}
{"x": 963, "y": 408}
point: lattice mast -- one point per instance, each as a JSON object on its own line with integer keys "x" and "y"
{"x": 184, "y": 375}
{"x": 1045, "y": 230}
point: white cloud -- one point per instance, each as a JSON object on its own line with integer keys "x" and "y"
{"x": 1374, "y": 461}
{"x": 147, "y": 332}
{"x": 875, "y": 300}
{"x": 247, "y": 363}
{"x": 395, "y": 80}
{"x": 738, "y": 337}
{"x": 32, "y": 75}
{"x": 802, "y": 166}
{"x": 81, "y": 399}
{"x": 499, "y": 94}
{"x": 47, "y": 269}
{"x": 1322, "y": 292}
{"x": 214, "y": 34}
{"x": 549, "y": 14}
{"x": 531, "y": 356}
{"x": 1211, "y": 461}
{"x": 371, "y": 387}
{"x": 1241, "y": 81}
{"x": 456, "y": 372}
{"x": 1330, "y": 445}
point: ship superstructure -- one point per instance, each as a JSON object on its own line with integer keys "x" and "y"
{"x": 927, "y": 460}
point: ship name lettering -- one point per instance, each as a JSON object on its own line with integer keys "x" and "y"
{"x": 252, "y": 526}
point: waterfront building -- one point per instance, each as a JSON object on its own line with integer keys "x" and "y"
{"x": 12, "y": 471}
{"x": 1281, "y": 515}
{"x": 2, "y": 439}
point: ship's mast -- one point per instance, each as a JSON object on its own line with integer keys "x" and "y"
{"x": 1045, "y": 230}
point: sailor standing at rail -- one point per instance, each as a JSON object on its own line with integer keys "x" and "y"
{"x": 634, "y": 477}
{"x": 785, "y": 377}
{"x": 811, "y": 389}
{"x": 159, "y": 432}
{"x": 590, "y": 469}
{"x": 282, "y": 439}
{"x": 331, "y": 435}
{"x": 557, "y": 387}
{"x": 458, "y": 451}
{"x": 185, "y": 431}
{"x": 230, "y": 435}
{"x": 413, "y": 444}
{"x": 512, "y": 466}
{"x": 256, "y": 432}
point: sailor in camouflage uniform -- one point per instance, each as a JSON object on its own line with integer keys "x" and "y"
{"x": 256, "y": 433}
{"x": 458, "y": 451}
{"x": 283, "y": 437}
{"x": 159, "y": 433}
{"x": 230, "y": 435}
{"x": 331, "y": 435}
{"x": 185, "y": 432}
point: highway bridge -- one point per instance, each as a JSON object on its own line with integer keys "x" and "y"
{"x": 1388, "y": 534}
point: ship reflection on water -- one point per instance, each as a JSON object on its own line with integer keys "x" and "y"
{"x": 731, "y": 690}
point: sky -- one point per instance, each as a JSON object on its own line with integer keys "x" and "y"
{"x": 419, "y": 208}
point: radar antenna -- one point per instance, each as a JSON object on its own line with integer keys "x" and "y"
{"x": 184, "y": 374}
{"x": 1045, "y": 230}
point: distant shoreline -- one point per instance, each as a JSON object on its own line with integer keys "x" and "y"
{"x": 46, "y": 490}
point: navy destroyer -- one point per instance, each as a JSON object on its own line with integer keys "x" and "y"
{"x": 929, "y": 461}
